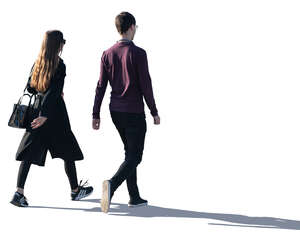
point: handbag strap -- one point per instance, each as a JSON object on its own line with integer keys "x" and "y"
{"x": 30, "y": 96}
{"x": 25, "y": 89}
{"x": 29, "y": 77}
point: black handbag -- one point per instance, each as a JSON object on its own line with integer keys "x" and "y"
{"x": 21, "y": 114}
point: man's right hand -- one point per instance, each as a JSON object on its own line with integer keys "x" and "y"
{"x": 156, "y": 120}
{"x": 96, "y": 124}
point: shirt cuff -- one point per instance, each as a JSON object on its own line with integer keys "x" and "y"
{"x": 96, "y": 116}
{"x": 154, "y": 113}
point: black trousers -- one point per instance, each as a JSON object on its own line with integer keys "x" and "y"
{"x": 70, "y": 169}
{"x": 132, "y": 128}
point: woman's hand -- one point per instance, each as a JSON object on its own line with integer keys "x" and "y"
{"x": 39, "y": 121}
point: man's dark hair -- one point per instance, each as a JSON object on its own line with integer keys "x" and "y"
{"x": 123, "y": 21}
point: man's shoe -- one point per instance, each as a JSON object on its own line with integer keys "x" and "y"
{"x": 19, "y": 200}
{"x": 138, "y": 203}
{"x": 106, "y": 196}
{"x": 82, "y": 192}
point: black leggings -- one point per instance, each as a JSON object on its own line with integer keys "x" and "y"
{"x": 70, "y": 169}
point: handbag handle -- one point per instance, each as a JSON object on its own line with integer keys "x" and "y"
{"x": 30, "y": 96}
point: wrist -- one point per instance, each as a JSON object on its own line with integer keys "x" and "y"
{"x": 96, "y": 116}
{"x": 154, "y": 113}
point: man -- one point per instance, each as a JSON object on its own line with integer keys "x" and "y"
{"x": 125, "y": 66}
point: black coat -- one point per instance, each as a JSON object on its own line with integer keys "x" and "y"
{"x": 55, "y": 134}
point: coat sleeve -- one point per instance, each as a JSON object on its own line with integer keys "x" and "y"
{"x": 53, "y": 93}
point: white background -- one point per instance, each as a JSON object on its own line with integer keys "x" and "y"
{"x": 225, "y": 159}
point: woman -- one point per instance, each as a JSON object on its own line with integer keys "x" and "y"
{"x": 50, "y": 128}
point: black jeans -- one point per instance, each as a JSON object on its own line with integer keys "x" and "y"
{"x": 70, "y": 169}
{"x": 132, "y": 128}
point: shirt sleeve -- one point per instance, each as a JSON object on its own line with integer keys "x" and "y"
{"x": 145, "y": 82}
{"x": 100, "y": 89}
{"x": 53, "y": 93}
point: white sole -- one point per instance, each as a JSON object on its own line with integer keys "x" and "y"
{"x": 138, "y": 205}
{"x": 18, "y": 205}
{"x": 105, "y": 201}
{"x": 77, "y": 199}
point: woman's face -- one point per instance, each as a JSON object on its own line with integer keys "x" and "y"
{"x": 61, "y": 48}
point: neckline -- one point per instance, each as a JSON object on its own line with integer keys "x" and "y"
{"x": 124, "y": 41}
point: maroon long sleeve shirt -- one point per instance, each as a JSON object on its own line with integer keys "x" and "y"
{"x": 125, "y": 66}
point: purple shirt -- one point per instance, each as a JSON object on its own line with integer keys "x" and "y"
{"x": 125, "y": 66}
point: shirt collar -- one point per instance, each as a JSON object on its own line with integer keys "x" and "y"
{"x": 124, "y": 41}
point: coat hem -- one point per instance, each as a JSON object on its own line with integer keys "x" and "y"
{"x": 53, "y": 157}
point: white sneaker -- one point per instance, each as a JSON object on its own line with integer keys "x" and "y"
{"x": 105, "y": 201}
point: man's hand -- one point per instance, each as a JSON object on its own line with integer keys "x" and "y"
{"x": 96, "y": 124}
{"x": 39, "y": 121}
{"x": 156, "y": 120}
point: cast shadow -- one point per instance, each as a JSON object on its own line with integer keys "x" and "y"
{"x": 119, "y": 209}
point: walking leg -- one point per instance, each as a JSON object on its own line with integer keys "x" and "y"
{"x": 22, "y": 175}
{"x": 132, "y": 187}
{"x": 70, "y": 169}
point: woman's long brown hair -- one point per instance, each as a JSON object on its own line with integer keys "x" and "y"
{"x": 47, "y": 61}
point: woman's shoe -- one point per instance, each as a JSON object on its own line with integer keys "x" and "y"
{"x": 19, "y": 200}
{"x": 82, "y": 192}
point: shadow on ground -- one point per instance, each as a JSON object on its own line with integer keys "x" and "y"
{"x": 119, "y": 209}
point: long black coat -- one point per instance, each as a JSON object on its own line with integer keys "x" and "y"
{"x": 55, "y": 134}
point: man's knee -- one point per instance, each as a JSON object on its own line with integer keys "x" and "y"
{"x": 135, "y": 157}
